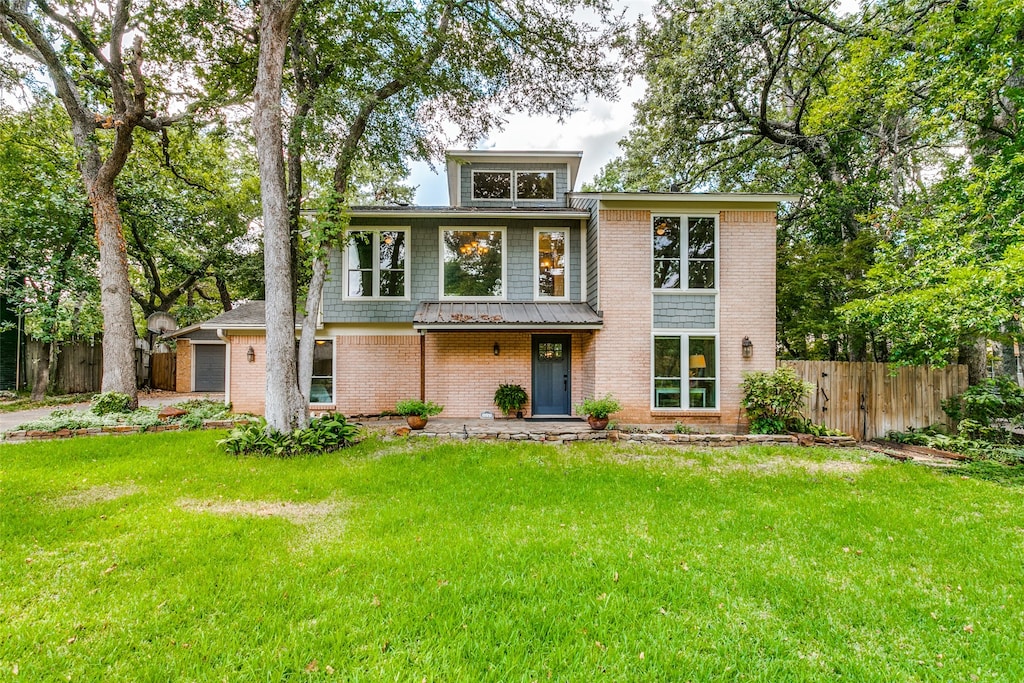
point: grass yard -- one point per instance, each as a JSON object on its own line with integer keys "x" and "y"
{"x": 159, "y": 558}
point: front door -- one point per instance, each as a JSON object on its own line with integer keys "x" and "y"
{"x": 551, "y": 381}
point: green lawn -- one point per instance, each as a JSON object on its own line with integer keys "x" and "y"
{"x": 159, "y": 558}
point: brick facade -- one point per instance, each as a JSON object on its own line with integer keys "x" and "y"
{"x": 621, "y": 352}
{"x": 183, "y": 366}
{"x": 373, "y": 372}
{"x": 248, "y": 381}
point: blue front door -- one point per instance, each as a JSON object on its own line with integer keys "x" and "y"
{"x": 551, "y": 381}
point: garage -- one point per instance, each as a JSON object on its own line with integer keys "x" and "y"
{"x": 208, "y": 367}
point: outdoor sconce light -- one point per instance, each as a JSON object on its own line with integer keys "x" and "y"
{"x": 497, "y": 349}
{"x": 251, "y": 355}
{"x": 748, "y": 348}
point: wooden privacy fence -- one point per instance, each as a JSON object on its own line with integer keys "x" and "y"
{"x": 79, "y": 366}
{"x": 866, "y": 400}
{"x": 164, "y": 371}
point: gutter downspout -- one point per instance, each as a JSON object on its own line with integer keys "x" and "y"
{"x": 423, "y": 365}
{"x": 227, "y": 366}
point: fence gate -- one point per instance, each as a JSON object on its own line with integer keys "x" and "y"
{"x": 866, "y": 400}
{"x": 164, "y": 368}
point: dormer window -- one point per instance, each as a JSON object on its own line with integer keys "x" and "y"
{"x": 492, "y": 185}
{"x": 528, "y": 185}
{"x": 535, "y": 185}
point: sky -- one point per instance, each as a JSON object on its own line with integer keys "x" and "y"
{"x": 595, "y": 129}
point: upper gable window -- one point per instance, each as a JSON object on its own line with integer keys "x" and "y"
{"x": 684, "y": 252}
{"x": 517, "y": 185}
{"x": 492, "y": 185}
{"x": 535, "y": 185}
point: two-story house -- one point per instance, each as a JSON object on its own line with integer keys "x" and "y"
{"x": 662, "y": 299}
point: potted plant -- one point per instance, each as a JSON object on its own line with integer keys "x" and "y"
{"x": 510, "y": 398}
{"x": 597, "y": 410}
{"x": 416, "y": 411}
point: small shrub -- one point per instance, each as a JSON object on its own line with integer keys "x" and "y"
{"x": 110, "y": 402}
{"x": 414, "y": 406}
{"x": 324, "y": 434}
{"x": 680, "y": 428}
{"x": 773, "y": 399}
{"x": 987, "y": 402}
{"x": 510, "y": 398}
{"x": 200, "y": 410}
{"x": 805, "y": 426}
{"x": 85, "y": 419}
{"x": 599, "y": 408}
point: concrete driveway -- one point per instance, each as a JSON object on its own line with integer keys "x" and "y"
{"x": 155, "y": 399}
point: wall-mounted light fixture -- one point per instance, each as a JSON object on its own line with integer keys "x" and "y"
{"x": 251, "y": 355}
{"x": 497, "y": 349}
{"x": 748, "y": 348}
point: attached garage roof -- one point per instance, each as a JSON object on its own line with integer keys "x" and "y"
{"x": 251, "y": 315}
{"x": 473, "y": 315}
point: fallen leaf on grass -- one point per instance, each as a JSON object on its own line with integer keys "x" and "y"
{"x": 110, "y": 568}
{"x": 969, "y": 628}
{"x": 312, "y": 666}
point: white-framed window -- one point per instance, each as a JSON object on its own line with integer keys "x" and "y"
{"x": 492, "y": 184}
{"x": 535, "y": 185}
{"x": 473, "y": 263}
{"x": 322, "y": 388}
{"x": 551, "y": 263}
{"x": 377, "y": 264}
{"x": 685, "y": 252}
{"x": 524, "y": 186}
{"x": 684, "y": 370}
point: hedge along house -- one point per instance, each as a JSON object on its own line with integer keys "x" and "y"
{"x": 662, "y": 299}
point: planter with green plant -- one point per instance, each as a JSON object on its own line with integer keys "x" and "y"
{"x": 510, "y": 398}
{"x": 597, "y": 410}
{"x": 416, "y": 412}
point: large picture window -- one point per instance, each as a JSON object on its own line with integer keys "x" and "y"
{"x": 322, "y": 388}
{"x": 377, "y": 263}
{"x": 473, "y": 263}
{"x": 685, "y": 371}
{"x": 552, "y": 263}
{"x": 684, "y": 252}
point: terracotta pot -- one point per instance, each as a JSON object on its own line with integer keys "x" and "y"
{"x": 416, "y": 422}
{"x": 597, "y": 422}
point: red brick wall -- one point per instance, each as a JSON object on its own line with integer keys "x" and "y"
{"x": 183, "y": 366}
{"x": 747, "y": 301}
{"x": 248, "y": 380}
{"x": 374, "y": 372}
{"x": 622, "y": 349}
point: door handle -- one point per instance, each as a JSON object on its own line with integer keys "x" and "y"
{"x": 565, "y": 382}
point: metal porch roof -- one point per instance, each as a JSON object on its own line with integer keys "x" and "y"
{"x": 526, "y": 315}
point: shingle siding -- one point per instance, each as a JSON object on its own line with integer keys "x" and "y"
{"x": 684, "y": 311}
{"x": 425, "y": 270}
{"x": 593, "y": 263}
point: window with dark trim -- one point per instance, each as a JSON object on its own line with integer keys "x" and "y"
{"x": 377, "y": 263}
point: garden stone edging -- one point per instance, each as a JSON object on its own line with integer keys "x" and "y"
{"x": 21, "y": 435}
{"x": 614, "y": 435}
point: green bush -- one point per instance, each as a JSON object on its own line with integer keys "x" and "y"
{"x": 110, "y": 402}
{"x": 599, "y": 408}
{"x": 773, "y": 400}
{"x": 85, "y": 419}
{"x": 987, "y": 402}
{"x": 510, "y": 398}
{"x": 324, "y": 434}
{"x": 414, "y": 406}
{"x": 200, "y": 410}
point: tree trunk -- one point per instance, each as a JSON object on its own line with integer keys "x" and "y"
{"x": 975, "y": 356}
{"x": 115, "y": 294}
{"x": 285, "y": 408}
{"x": 42, "y": 373}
